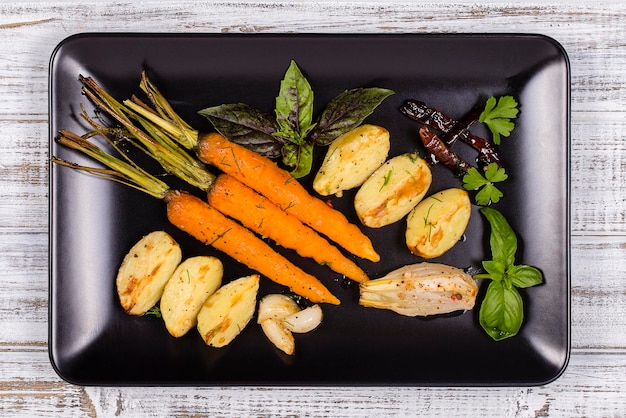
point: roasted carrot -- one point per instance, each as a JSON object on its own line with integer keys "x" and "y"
{"x": 196, "y": 217}
{"x": 259, "y": 214}
{"x": 264, "y": 176}
{"x": 200, "y": 220}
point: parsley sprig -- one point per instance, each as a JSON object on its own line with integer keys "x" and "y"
{"x": 489, "y": 193}
{"x": 497, "y": 116}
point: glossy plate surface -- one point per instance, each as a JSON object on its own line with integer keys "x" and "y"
{"x": 93, "y": 222}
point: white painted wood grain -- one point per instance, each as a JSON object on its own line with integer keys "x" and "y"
{"x": 28, "y": 387}
{"x": 593, "y": 35}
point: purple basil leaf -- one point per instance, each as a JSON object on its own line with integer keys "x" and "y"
{"x": 247, "y": 126}
{"x": 347, "y": 111}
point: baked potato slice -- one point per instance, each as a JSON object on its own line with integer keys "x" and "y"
{"x": 194, "y": 280}
{"x": 145, "y": 270}
{"x": 227, "y": 311}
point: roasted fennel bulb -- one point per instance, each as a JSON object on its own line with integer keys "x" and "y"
{"x": 421, "y": 290}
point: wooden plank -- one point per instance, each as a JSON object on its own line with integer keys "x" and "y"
{"x": 596, "y": 72}
{"x": 24, "y": 174}
{"x": 592, "y": 385}
{"x": 592, "y": 34}
{"x": 598, "y": 164}
{"x": 598, "y": 267}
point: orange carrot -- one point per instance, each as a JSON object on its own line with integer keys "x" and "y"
{"x": 264, "y": 176}
{"x": 259, "y": 214}
{"x": 206, "y": 224}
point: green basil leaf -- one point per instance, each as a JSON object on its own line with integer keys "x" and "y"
{"x": 347, "y": 111}
{"x": 294, "y": 104}
{"x": 501, "y": 312}
{"x": 502, "y": 239}
{"x": 495, "y": 269}
{"x": 246, "y": 126}
{"x": 523, "y": 276}
{"x": 300, "y": 157}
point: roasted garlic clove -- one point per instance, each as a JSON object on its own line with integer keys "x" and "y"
{"x": 276, "y": 306}
{"x": 282, "y": 338}
{"x": 279, "y": 316}
{"x": 305, "y": 320}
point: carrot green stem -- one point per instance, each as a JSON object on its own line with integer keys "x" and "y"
{"x": 124, "y": 172}
{"x": 154, "y": 140}
{"x": 186, "y": 135}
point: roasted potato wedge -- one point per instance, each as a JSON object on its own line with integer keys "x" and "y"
{"x": 421, "y": 290}
{"x": 145, "y": 270}
{"x": 227, "y": 311}
{"x": 194, "y": 280}
{"x": 438, "y": 222}
{"x": 393, "y": 190}
{"x": 351, "y": 159}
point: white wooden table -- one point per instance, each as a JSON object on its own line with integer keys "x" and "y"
{"x": 594, "y": 35}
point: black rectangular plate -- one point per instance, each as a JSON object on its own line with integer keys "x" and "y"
{"x": 93, "y": 222}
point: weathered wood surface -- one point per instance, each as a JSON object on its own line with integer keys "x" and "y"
{"x": 594, "y": 384}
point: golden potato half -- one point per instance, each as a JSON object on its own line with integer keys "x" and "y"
{"x": 351, "y": 159}
{"x": 194, "y": 280}
{"x": 438, "y": 222}
{"x": 145, "y": 270}
{"x": 393, "y": 190}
